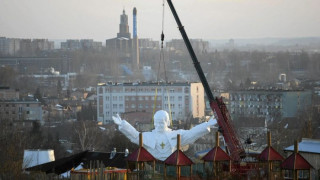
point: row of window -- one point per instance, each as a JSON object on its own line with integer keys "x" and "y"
{"x": 140, "y": 89}
{"x": 143, "y": 98}
{"x": 13, "y": 112}
{"x": 115, "y": 106}
{"x": 12, "y": 105}
{"x": 115, "y": 113}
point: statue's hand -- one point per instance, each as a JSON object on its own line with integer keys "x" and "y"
{"x": 212, "y": 121}
{"x": 117, "y": 119}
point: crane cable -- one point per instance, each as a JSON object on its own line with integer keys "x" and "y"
{"x": 164, "y": 69}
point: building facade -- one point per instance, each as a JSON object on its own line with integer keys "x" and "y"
{"x": 20, "y": 110}
{"x": 15, "y": 46}
{"x": 268, "y": 103}
{"x": 181, "y": 99}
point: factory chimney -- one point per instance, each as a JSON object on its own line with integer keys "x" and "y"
{"x": 135, "y": 43}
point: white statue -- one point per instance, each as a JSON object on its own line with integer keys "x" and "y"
{"x": 162, "y": 141}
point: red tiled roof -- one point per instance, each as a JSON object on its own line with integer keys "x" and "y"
{"x": 178, "y": 158}
{"x": 140, "y": 155}
{"x": 216, "y": 154}
{"x": 269, "y": 154}
{"x": 295, "y": 161}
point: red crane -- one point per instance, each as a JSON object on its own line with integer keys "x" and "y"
{"x": 217, "y": 105}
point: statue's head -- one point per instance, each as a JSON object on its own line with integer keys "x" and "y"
{"x": 161, "y": 120}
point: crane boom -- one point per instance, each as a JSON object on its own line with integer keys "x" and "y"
{"x": 217, "y": 105}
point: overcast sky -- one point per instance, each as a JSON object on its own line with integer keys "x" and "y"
{"x": 208, "y": 19}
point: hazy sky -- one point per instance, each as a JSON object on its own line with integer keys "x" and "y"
{"x": 209, "y": 19}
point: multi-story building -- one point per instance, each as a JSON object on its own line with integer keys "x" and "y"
{"x": 20, "y": 110}
{"x": 198, "y": 45}
{"x": 8, "y": 94}
{"x": 82, "y": 44}
{"x": 15, "y": 109}
{"x": 268, "y": 103}
{"x": 181, "y": 99}
{"x": 15, "y": 46}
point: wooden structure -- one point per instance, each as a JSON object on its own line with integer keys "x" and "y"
{"x": 140, "y": 157}
{"x": 217, "y": 155}
{"x": 178, "y": 159}
{"x": 295, "y": 162}
{"x": 271, "y": 157}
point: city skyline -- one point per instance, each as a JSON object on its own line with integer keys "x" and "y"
{"x": 210, "y": 19}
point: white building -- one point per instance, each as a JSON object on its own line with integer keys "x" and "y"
{"x": 181, "y": 99}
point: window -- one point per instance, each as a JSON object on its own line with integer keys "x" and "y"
{"x": 166, "y": 98}
{"x": 171, "y": 98}
{"x": 120, "y": 106}
{"x": 171, "y": 90}
{"x": 180, "y": 106}
{"x": 186, "y": 90}
{"x": 147, "y": 98}
{"x": 115, "y": 98}
{"x": 107, "y": 106}
{"x": 180, "y": 98}
{"x": 171, "y": 106}
{"x": 166, "y": 106}
{"x": 127, "y": 98}
{"x": 147, "y": 105}
{"x": 133, "y": 98}
{"x": 133, "y": 106}
{"x": 140, "y": 106}
{"x": 28, "y": 112}
{"x": 140, "y": 98}
{"x": 107, "y": 98}
{"x": 120, "y": 98}
{"x": 114, "y": 106}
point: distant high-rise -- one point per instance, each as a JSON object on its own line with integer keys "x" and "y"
{"x": 135, "y": 43}
{"x": 123, "y": 26}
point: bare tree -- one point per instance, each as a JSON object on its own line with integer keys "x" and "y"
{"x": 87, "y": 136}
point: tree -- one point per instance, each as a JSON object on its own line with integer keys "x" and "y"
{"x": 87, "y": 136}
{"x": 37, "y": 95}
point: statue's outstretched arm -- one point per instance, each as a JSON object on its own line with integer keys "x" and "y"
{"x": 190, "y": 136}
{"x": 127, "y": 129}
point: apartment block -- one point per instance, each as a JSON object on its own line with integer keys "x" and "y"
{"x": 8, "y": 94}
{"x": 181, "y": 99}
{"x": 268, "y": 103}
{"x": 20, "y": 110}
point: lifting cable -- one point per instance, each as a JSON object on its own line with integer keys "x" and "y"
{"x": 165, "y": 73}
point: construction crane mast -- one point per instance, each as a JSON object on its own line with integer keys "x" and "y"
{"x": 217, "y": 105}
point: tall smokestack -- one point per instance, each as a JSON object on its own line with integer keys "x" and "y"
{"x": 135, "y": 43}
{"x": 134, "y": 22}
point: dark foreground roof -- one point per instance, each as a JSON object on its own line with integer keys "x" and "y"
{"x": 65, "y": 164}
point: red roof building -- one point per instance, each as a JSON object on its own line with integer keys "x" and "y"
{"x": 216, "y": 154}
{"x": 270, "y": 154}
{"x": 141, "y": 155}
{"x": 178, "y": 158}
{"x": 296, "y": 162}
